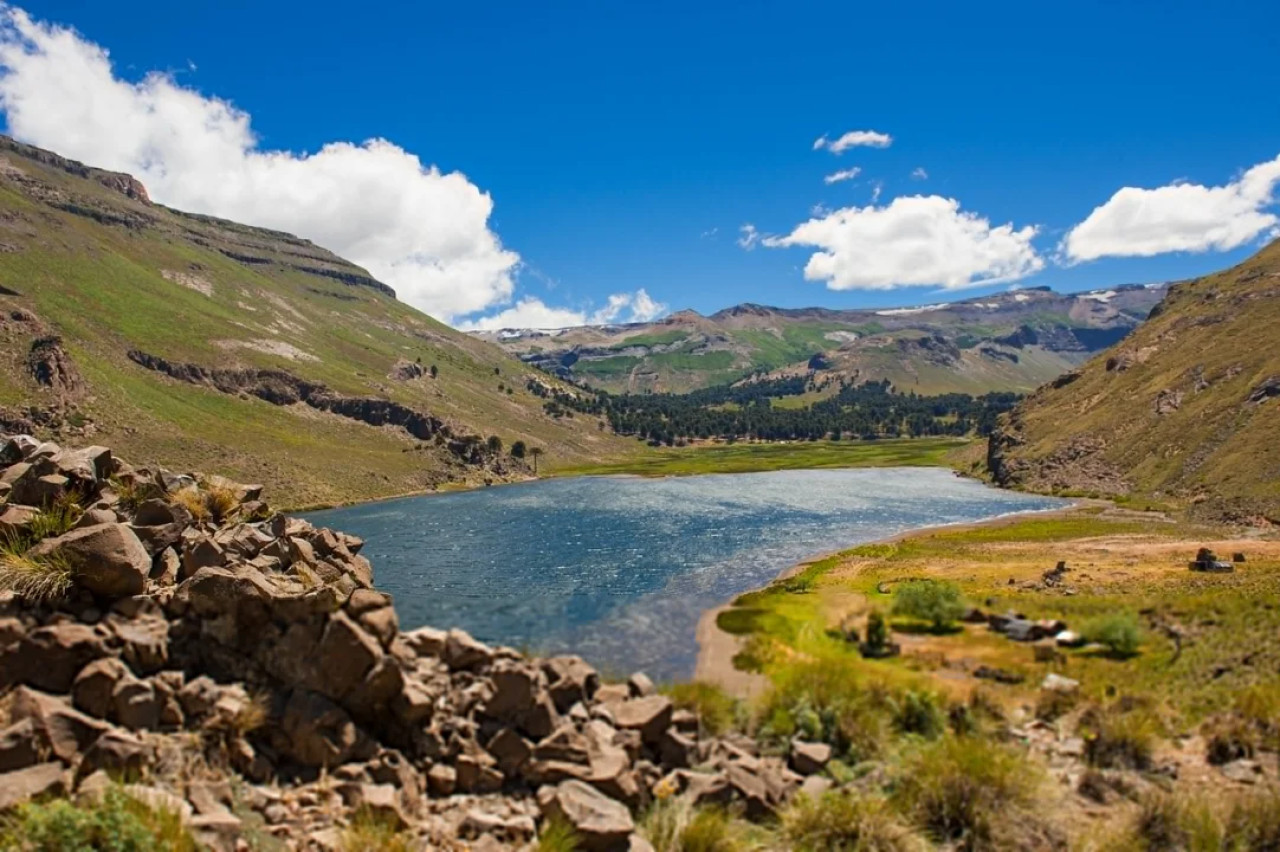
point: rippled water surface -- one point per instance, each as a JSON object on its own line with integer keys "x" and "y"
{"x": 619, "y": 569}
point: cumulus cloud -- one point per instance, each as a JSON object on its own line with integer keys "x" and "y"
{"x": 918, "y": 173}
{"x": 423, "y": 231}
{"x": 843, "y": 174}
{"x": 1179, "y": 217}
{"x": 749, "y": 236}
{"x": 912, "y": 241}
{"x": 531, "y": 312}
{"x": 853, "y": 139}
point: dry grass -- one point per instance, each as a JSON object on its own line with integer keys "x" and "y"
{"x": 369, "y": 833}
{"x": 846, "y": 820}
{"x": 37, "y": 581}
{"x": 193, "y": 501}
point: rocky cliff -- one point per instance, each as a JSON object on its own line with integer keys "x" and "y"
{"x": 238, "y": 667}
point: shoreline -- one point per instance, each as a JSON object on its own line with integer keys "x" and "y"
{"x": 716, "y": 648}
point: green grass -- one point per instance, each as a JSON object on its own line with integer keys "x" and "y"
{"x": 749, "y": 457}
{"x": 116, "y": 823}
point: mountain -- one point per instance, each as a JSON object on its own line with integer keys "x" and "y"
{"x": 1009, "y": 341}
{"x": 196, "y": 342}
{"x": 1186, "y": 408}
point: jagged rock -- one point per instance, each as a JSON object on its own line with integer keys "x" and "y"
{"x": 116, "y": 752}
{"x": 15, "y": 519}
{"x": 52, "y": 656}
{"x": 136, "y": 705}
{"x": 442, "y": 779}
{"x": 95, "y": 685}
{"x": 462, "y": 652}
{"x": 66, "y": 732}
{"x": 651, "y": 716}
{"x": 571, "y": 680}
{"x": 602, "y": 824}
{"x": 217, "y": 832}
{"x": 144, "y": 642}
{"x": 641, "y": 686}
{"x": 510, "y": 750}
{"x": 43, "y": 779}
{"x": 20, "y": 746}
{"x": 809, "y": 758}
{"x": 320, "y": 733}
{"x": 107, "y": 559}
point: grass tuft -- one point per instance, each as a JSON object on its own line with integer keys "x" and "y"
{"x": 38, "y": 581}
{"x": 1115, "y": 738}
{"x": 115, "y": 822}
{"x": 842, "y": 820}
{"x": 371, "y": 833}
{"x": 557, "y": 835}
{"x": 717, "y": 711}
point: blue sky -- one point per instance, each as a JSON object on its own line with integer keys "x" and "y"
{"x": 624, "y": 146}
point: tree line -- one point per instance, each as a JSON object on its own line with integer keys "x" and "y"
{"x": 747, "y": 411}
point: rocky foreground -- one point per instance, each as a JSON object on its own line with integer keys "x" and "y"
{"x": 237, "y": 666}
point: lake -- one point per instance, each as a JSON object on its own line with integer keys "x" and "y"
{"x": 619, "y": 569}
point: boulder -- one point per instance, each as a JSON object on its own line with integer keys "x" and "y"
{"x": 571, "y": 680}
{"x": 442, "y": 779}
{"x": 809, "y": 758}
{"x": 651, "y": 716}
{"x": 426, "y": 641}
{"x": 95, "y": 686}
{"x": 117, "y": 753}
{"x": 641, "y": 686}
{"x": 347, "y": 655}
{"x": 136, "y": 704}
{"x": 320, "y": 733}
{"x": 65, "y": 731}
{"x": 15, "y": 519}
{"x": 462, "y": 652}
{"x": 54, "y": 655}
{"x": 20, "y": 746}
{"x": 108, "y": 559}
{"x": 43, "y": 779}
{"x": 602, "y": 824}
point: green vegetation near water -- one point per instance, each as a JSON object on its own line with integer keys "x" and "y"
{"x": 756, "y": 457}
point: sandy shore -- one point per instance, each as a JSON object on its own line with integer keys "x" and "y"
{"x": 716, "y": 648}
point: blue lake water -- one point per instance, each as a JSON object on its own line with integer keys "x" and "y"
{"x": 619, "y": 569}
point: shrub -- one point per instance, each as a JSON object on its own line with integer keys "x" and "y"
{"x": 938, "y": 603}
{"x": 519, "y": 449}
{"x": 966, "y": 788}
{"x": 371, "y": 833}
{"x": 117, "y": 822}
{"x": 877, "y": 633}
{"x": 557, "y": 835}
{"x": 716, "y": 709}
{"x": 1119, "y": 632}
{"x": 841, "y": 820}
{"x": 1254, "y": 822}
{"x": 1115, "y": 739}
{"x": 917, "y": 712}
{"x": 1166, "y": 822}
{"x": 1229, "y": 737}
{"x": 37, "y": 581}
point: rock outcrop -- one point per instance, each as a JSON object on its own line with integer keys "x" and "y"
{"x": 189, "y": 608}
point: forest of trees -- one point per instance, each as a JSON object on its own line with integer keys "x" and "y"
{"x": 746, "y": 411}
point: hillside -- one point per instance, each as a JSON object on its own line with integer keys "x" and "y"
{"x": 1008, "y": 341}
{"x": 200, "y": 343}
{"x": 1187, "y": 407}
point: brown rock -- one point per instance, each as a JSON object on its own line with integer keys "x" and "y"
{"x": 43, "y": 779}
{"x": 94, "y": 686}
{"x": 382, "y": 623}
{"x": 601, "y": 823}
{"x": 116, "y": 752}
{"x": 651, "y": 716}
{"x": 320, "y": 733}
{"x": 571, "y": 680}
{"x": 55, "y": 654}
{"x": 510, "y": 750}
{"x": 641, "y": 686}
{"x": 462, "y": 652}
{"x": 136, "y": 704}
{"x": 65, "y": 731}
{"x": 809, "y": 758}
{"x": 442, "y": 779}
{"x": 20, "y": 746}
{"x": 108, "y": 559}
{"x": 348, "y": 655}
{"x": 426, "y": 641}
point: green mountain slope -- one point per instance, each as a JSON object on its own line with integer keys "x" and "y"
{"x": 1187, "y": 407}
{"x": 200, "y": 343}
{"x": 1008, "y": 341}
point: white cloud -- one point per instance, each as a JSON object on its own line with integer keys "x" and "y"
{"x": 877, "y": 187}
{"x": 853, "y": 139}
{"x": 423, "y": 231}
{"x": 1179, "y": 217}
{"x": 843, "y": 174}
{"x": 750, "y": 236}
{"x": 918, "y": 173}
{"x": 912, "y": 241}
{"x": 531, "y": 312}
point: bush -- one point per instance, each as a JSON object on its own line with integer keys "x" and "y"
{"x": 933, "y": 601}
{"x": 967, "y": 788}
{"x": 519, "y": 449}
{"x": 1119, "y": 632}
{"x": 842, "y": 820}
{"x": 1166, "y": 822}
{"x": 1114, "y": 739}
{"x": 370, "y": 833}
{"x": 919, "y": 713}
{"x": 877, "y": 633}
{"x": 116, "y": 823}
